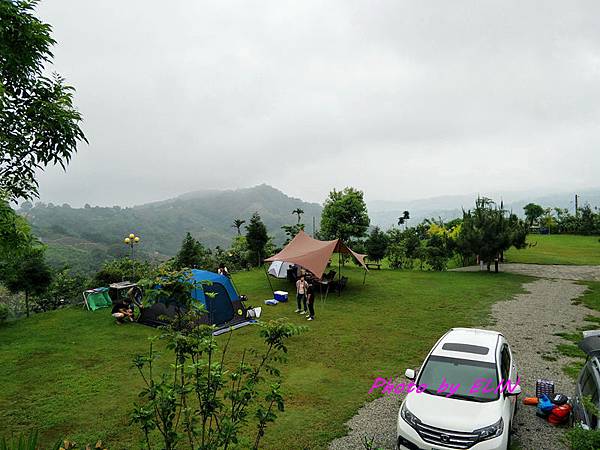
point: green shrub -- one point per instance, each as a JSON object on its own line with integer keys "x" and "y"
{"x": 3, "y": 312}
{"x": 30, "y": 442}
{"x": 580, "y": 439}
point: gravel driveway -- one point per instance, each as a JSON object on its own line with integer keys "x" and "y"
{"x": 562, "y": 272}
{"x": 529, "y": 322}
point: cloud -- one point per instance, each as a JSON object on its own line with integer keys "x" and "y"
{"x": 402, "y": 99}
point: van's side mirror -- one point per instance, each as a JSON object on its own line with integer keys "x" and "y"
{"x": 410, "y": 374}
{"x": 516, "y": 391}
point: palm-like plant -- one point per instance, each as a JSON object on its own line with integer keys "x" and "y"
{"x": 299, "y": 212}
{"x": 237, "y": 224}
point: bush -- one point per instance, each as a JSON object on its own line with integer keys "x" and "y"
{"x": 123, "y": 269}
{"x": 3, "y": 312}
{"x": 580, "y": 439}
{"x": 65, "y": 289}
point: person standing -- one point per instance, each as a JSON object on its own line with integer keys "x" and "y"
{"x": 223, "y": 270}
{"x": 301, "y": 287}
{"x": 310, "y": 300}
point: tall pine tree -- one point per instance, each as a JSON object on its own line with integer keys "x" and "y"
{"x": 256, "y": 238}
{"x": 192, "y": 254}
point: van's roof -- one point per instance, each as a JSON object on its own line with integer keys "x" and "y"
{"x": 468, "y": 343}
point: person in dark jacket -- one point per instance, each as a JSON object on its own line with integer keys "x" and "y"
{"x": 310, "y": 300}
{"x": 122, "y": 311}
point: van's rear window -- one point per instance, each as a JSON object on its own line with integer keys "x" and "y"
{"x": 466, "y": 348}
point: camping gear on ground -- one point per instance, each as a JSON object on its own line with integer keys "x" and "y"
{"x": 560, "y": 414}
{"x": 279, "y": 269}
{"x": 281, "y": 296}
{"x": 559, "y": 399}
{"x": 531, "y": 401}
{"x": 271, "y": 302}
{"x": 118, "y": 291}
{"x": 96, "y": 298}
{"x": 545, "y": 406}
{"x": 590, "y": 333}
{"x": 543, "y": 386}
{"x": 225, "y": 307}
{"x": 254, "y": 313}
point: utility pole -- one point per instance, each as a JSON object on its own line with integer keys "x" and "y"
{"x": 313, "y": 227}
{"x": 576, "y": 205}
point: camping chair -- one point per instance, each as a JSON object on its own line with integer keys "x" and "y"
{"x": 330, "y": 276}
{"x": 342, "y": 284}
{"x": 94, "y": 299}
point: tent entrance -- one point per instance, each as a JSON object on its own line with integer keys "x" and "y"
{"x": 219, "y": 306}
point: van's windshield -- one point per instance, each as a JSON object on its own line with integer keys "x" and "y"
{"x": 441, "y": 371}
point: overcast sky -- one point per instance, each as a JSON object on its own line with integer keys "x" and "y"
{"x": 401, "y": 99}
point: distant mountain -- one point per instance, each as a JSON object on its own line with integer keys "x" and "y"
{"x": 386, "y": 213}
{"x": 83, "y": 237}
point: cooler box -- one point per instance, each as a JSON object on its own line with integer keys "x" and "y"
{"x": 281, "y": 296}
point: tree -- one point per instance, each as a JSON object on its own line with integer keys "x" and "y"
{"x": 405, "y": 246}
{"x": 291, "y": 231}
{"x": 29, "y": 273}
{"x": 64, "y": 289}
{"x": 237, "y": 254}
{"x": 15, "y": 233}
{"x": 39, "y": 125}
{"x": 344, "y": 215}
{"x": 376, "y": 245}
{"x": 487, "y": 232}
{"x": 299, "y": 212}
{"x": 237, "y": 224}
{"x": 256, "y": 238}
{"x": 122, "y": 269}
{"x": 192, "y": 254}
{"x": 533, "y": 212}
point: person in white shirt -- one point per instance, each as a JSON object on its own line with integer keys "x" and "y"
{"x": 301, "y": 288}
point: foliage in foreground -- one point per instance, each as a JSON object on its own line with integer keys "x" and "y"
{"x": 31, "y": 442}
{"x": 198, "y": 402}
{"x": 577, "y": 438}
{"x": 39, "y": 125}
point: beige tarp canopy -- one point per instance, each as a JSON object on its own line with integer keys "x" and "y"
{"x": 312, "y": 254}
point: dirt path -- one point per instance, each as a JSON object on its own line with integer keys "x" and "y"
{"x": 556, "y": 271}
{"x": 529, "y": 321}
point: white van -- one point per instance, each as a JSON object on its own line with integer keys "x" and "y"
{"x": 467, "y": 400}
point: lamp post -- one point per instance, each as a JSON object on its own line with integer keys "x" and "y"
{"x": 131, "y": 241}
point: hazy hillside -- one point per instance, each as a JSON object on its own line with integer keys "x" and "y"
{"x": 386, "y": 213}
{"x": 82, "y": 237}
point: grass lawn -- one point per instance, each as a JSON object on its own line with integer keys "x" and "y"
{"x": 68, "y": 373}
{"x": 558, "y": 249}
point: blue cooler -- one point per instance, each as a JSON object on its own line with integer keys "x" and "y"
{"x": 281, "y": 296}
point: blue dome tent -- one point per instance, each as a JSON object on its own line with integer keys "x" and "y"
{"x": 223, "y": 306}
{"x": 224, "y": 309}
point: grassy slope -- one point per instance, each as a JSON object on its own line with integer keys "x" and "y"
{"x": 558, "y": 249}
{"x": 69, "y": 373}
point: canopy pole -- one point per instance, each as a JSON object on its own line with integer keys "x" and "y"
{"x": 339, "y": 274}
{"x": 269, "y": 280}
